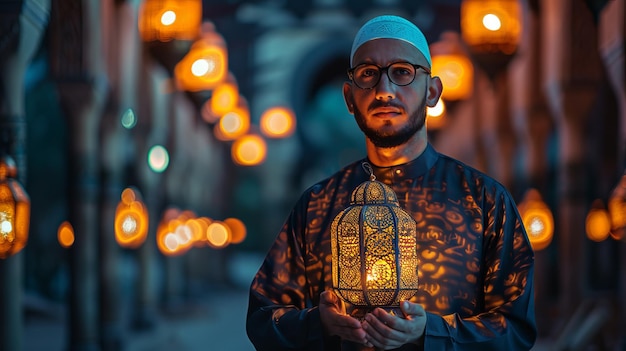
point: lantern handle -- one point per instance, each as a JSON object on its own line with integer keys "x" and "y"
{"x": 368, "y": 169}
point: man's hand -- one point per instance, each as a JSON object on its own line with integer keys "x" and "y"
{"x": 386, "y": 331}
{"x": 335, "y": 320}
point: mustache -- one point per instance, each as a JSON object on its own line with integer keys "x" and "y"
{"x": 381, "y": 104}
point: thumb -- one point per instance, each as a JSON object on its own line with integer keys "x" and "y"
{"x": 411, "y": 309}
{"x": 328, "y": 296}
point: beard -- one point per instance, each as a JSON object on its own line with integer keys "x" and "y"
{"x": 384, "y": 138}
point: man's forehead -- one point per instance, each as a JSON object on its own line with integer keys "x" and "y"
{"x": 385, "y": 51}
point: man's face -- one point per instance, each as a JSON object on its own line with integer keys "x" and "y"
{"x": 388, "y": 114}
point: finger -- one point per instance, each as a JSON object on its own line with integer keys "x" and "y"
{"x": 380, "y": 328}
{"x": 349, "y": 328}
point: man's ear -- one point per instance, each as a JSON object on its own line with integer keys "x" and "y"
{"x": 435, "y": 88}
{"x": 347, "y": 96}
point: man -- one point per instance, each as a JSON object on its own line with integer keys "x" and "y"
{"x": 475, "y": 260}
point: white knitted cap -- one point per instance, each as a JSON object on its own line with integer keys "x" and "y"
{"x": 391, "y": 27}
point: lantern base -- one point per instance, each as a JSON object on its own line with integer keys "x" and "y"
{"x": 359, "y": 312}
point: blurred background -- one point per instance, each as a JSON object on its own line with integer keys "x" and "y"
{"x": 151, "y": 151}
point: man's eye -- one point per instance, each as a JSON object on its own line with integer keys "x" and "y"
{"x": 369, "y": 72}
{"x": 401, "y": 71}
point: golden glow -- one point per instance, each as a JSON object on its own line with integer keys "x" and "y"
{"x": 14, "y": 210}
{"x": 492, "y": 22}
{"x": 598, "y": 222}
{"x": 128, "y": 196}
{"x": 131, "y": 220}
{"x": 218, "y": 234}
{"x": 249, "y": 150}
{"x": 491, "y": 25}
{"x": 237, "y": 230}
{"x": 234, "y": 124}
{"x": 202, "y": 69}
{"x": 435, "y": 116}
{"x": 456, "y": 73}
{"x": 179, "y": 231}
{"x": 537, "y": 219}
{"x": 374, "y": 262}
{"x": 225, "y": 98}
{"x": 168, "y": 18}
{"x": 173, "y": 237}
{"x": 65, "y": 234}
{"x": 165, "y": 20}
{"x": 278, "y": 122}
{"x": 617, "y": 209}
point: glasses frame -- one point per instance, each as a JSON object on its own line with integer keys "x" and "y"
{"x": 386, "y": 70}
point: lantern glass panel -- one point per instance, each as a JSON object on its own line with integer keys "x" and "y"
{"x": 374, "y": 249}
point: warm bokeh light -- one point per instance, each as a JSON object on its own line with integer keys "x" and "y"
{"x": 165, "y": 20}
{"x": 202, "y": 69}
{"x": 14, "y": 210}
{"x": 128, "y": 196}
{"x": 492, "y": 22}
{"x": 278, "y": 122}
{"x": 537, "y": 219}
{"x": 224, "y": 98}
{"x": 171, "y": 236}
{"x": 65, "y": 234}
{"x": 195, "y": 229}
{"x": 234, "y": 124}
{"x": 617, "y": 210}
{"x": 237, "y": 230}
{"x": 456, "y": 73}
{"x": 490, "y": 26}
{"x": 206, "y": 64}
{"x": 598, "y": 222}
{"x": 203, "y": 224}
{"x": 168, "y": 18}
{"x": 436, "y": 115}
{"x": 158, "y": 158}
{"x": 131, "y": 219}
{"x": 249, "y": 150}
{"x": 218, "y": 234}
{"x": 180, "y": 231}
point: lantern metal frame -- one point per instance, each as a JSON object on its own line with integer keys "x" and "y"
{"x": 14, "y": 210}
{"x": 374, "y": 248}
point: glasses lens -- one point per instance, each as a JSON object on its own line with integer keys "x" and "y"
{"x": 366, "y": 76}
{"x": 401, "y": 73}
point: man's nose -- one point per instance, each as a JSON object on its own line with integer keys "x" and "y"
{"x": 385, "y": 89}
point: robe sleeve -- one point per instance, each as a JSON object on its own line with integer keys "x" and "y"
{"x": 507, "y": 321}
{"x": 281, "y": 314}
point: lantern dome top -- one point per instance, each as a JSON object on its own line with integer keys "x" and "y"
{"x": 8, "y": 169}
{"x": 373, "y": 192}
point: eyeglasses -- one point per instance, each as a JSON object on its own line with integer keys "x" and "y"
{"x": 367, "y": 75}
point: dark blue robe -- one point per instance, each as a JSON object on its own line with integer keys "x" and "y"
{"x": 475, "y": 261}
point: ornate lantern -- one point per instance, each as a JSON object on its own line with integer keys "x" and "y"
{"x": 166, "y": 20}
{"x": 492, "y": 30}
{"x": 14, "y": 210}
{"x": 453, "y": 66}
{"x": 374, "y": 248}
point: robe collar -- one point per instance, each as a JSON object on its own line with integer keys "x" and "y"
{"x": 409, "y": 170}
